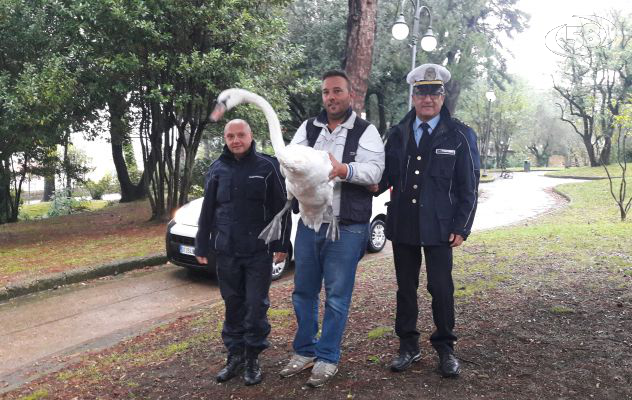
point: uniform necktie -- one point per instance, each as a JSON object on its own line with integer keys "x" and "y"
{"x": 425, "y": 130}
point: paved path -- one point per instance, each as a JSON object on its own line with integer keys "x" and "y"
{"x": 508, "y": 201}
{"x": 93, "y": 315}
{"x": 37, "y": 328}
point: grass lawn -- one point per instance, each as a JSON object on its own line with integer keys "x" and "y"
{"x": 521, "y": 169}
{"x": 591, "y": 172}
{"x": 40, "y": 246}
{"x": 543, "y": 311}
{"x": 40, "y": 210}
{"x": 488, "y": 178}
{"x": 587, "y": 235}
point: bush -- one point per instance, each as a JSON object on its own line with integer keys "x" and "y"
{"x": 196, "y": 191}
{"x": 101, "y": 187}
{"x": 62, "y": 205}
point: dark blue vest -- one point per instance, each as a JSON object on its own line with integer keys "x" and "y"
{"x": 355, "y": 200}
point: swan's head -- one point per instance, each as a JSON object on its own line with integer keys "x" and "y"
{"x": 230, "y": 98}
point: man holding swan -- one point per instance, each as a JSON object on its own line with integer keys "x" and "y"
{"x": 356, "y": 152}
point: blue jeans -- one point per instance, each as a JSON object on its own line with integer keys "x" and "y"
{"x": 335, "y": 262}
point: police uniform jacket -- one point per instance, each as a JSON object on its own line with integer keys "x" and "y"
{"x": 240, "y": 199}
{"x": 446, "y": 187}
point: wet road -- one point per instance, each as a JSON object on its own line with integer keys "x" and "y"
{"x": 35, "y": 329}
{"x": 94, "y": 315}
{"x": 508, "y": 201}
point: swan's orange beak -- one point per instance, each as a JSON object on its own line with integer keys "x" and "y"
{"x": 218, "y": 112}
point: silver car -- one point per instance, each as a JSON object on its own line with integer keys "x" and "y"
{"x": 181, "y": 231}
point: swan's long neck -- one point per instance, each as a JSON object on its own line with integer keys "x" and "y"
{"x": 274, "y": 126}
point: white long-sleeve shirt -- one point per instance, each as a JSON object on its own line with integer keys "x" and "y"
{"x": 368, "y": 166}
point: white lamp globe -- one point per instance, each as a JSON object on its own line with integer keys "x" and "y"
{"x": 428, "y": 42}
{"x": 400, "y": 29}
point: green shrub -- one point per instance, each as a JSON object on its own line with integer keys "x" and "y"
{"x": 102, "y": 186}
{"x": 62, "y": 205}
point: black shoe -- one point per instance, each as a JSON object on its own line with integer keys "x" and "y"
{"x": 449, "y": 365}
{"x": 404, "y": 360}
{"x": 252, "y": 374}
{"x": 234, "y": 365}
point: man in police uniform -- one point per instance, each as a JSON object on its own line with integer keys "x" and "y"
{"x": 244, "y": 190}
{"x": 431, "y": 164}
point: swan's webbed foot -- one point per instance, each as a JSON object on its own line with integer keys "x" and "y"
{"x": 333, "y": 231}
{"x": 272, "y": 232}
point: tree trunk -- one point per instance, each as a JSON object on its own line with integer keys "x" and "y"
{"x": 453, "y": 91}
{"x": 604, "y": 157}
{"x": 5, "y": 193}
{"x": 67, "y": 167}
{"x": 591, "y": 151}
{"x": 382, "y": 113}
{"x": 118, "y": 132}
{"x": 361, "y": 27}
{"x": 49, "y": 187}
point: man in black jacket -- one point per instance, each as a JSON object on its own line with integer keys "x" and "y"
{"x": 431, "y": 164}
{"x": 244, "y": 191}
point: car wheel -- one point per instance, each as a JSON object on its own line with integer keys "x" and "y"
{"x": 377, "y": 236}
{"x": 280, "y": 268}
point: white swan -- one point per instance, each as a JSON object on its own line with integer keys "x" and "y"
{"x": 306, "y": 170}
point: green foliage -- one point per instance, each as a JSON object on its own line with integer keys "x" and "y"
{"x": 40, "y": 89}
{"x": 62, "y": 205}
{"x": 104, "y": 185}
{"x": 560, "y": 309}
{"x": 374, "y": 359}
{"x": 318, "y": 28}
{"x": 468, "y": 33}
{"x": 583, "y": 172}
{"x": 379, "y": 332}
{"x": 172, "y": 58}
{"x": 34, "y": 211}
{"x": 77, "y": 165}
{"x": 40, "y": 210}
{"x": 130, "y": 160}
{"x": 36, "y": 395}
{"x": 200, "y": 168}
{"x": 61, "y": 64}
{"x": 279, "y": 314}
{"x": 469, "y": 41}
{"x": 595, "y": 86}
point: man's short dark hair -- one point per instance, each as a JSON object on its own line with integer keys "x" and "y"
{"x": 337, "y": 72}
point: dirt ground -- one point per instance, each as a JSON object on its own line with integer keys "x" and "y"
{"x": 536, "y": 335}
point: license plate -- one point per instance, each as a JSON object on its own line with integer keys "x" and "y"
{"x": 188, "y": 250}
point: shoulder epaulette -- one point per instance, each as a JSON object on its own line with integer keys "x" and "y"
{"x": 459, "y": 122}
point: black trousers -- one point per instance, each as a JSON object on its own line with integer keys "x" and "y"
{"x": 440, "y": 286}
{"x": 244, "y": 283}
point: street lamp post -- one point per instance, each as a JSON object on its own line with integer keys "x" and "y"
{"x": 400, "y": 32}
{"x": 491, "y": 97}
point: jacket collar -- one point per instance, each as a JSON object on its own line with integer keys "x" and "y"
{"x": 350, "y": 117}
{"x": 406, "y": 124}
{"x": 251, "y": 154}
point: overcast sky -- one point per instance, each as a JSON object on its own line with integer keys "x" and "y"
{"x": 533, "y": 59}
